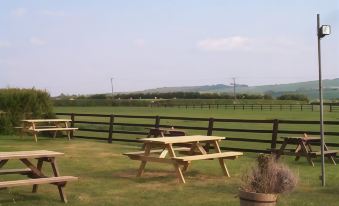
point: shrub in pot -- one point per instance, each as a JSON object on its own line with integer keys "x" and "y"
{"x": 262, "y": 184}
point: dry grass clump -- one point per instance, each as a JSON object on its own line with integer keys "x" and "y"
{"x": 269, "y": 176}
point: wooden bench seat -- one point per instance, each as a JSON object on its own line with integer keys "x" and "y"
{"x": 222, "y": 155}
{"x": 38, "y": 181}
{"x": 326, "y": 153}
{"x": 54, "y": 129}
{"x": 156, "y": 151}
{"x": 24, "y": 171}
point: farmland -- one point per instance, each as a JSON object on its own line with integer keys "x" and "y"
{"x": 108, "y": 178}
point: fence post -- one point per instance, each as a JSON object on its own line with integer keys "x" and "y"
{"x": 72, "y": 124}
{"x": 209, "y": 132}
{"x": 312, "y": 107}
{"x": 157, "y": 121}
{"x": 110, "y": 131}
{"x": 275, "y": 133}
{"x": 330, "y": 107}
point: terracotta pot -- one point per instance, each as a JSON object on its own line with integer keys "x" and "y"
{"x": 257, "y": 199}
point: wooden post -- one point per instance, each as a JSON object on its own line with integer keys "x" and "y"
{"x": 157, "y": 121}
{"x": 210, "y": 126}
{"x": 209, "y": 132}
{"x": 275, "y": 133}
{"x": 330, "y": 107}
{"x": 261, "y": 107}
{"x": 301, "y": 107}
{"x": 312, "y": 107}
{"x": 72, "y": 124}
{"x": 111, "y": 124}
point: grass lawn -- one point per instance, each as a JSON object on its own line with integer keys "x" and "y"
{"x": 108, "y": 178}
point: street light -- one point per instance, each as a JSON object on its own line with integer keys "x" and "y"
{"x": 321, "y": 32}
{"x": 112, "y": 88}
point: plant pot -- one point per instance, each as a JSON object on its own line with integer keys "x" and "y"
{"x": 257, "y": 199}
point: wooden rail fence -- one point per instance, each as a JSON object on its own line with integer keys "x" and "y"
{"x": 257, "y": 107}
{"x": 114, "y": 121}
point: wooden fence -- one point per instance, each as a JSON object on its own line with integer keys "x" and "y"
{"x": 260, "y": 107}
{"x": 113, "y": 121}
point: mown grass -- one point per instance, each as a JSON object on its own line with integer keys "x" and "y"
{"x": 108, "y": 178}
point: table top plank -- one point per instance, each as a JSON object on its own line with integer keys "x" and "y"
{"x": 45, "y": 120}
{"x": 182, "y": 139}
{"x": 28, "y": 154}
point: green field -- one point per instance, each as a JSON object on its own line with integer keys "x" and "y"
{"x": 108, "y": 178}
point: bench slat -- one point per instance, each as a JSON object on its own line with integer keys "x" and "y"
{"x": 15, "y": 171}
{"x": 156, "y": 151}
{"x": 325, "y": 152}
{"x": 38, "y": 181}
{"x": 55, "y": 129}
{"x": 208, "y": 156}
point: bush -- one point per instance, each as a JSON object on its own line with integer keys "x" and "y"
{"x": 269, "y": 177}
{"x": 298, "y": 97}
{"x": 18, "y": 104}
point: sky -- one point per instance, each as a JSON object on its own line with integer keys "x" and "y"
{"x": 77, "y": 46}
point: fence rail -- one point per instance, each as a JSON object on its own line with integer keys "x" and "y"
{"x": 260, "y": 107}
{"x": 210, "y": 128}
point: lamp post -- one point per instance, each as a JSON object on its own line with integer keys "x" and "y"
{"x": 321, "y": 32}
{"x": 112, "y": 88}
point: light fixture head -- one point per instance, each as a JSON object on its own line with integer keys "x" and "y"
{"x": 324, "y": 30}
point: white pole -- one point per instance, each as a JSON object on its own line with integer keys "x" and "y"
{"x": 112, "y": 88}
{"x": 321, "y": 107}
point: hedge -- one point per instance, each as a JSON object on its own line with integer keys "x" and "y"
{"x": 17, "y": 104}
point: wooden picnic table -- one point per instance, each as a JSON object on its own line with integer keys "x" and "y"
{"x": 162, "y": 132}
{"x": 304, "y": 148}
{"x": 34, "y": 172}
{"x": 167, "y": 149}
{"x": 34, "y": 126}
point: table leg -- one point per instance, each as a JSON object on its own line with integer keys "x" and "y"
{"x": 281, "y": 150}
{"x": 34, "y": 132}
{"x": 176, "y": 165}
{"x": 143, "y": 163}
{"x": 305, "y": 152}
{"x": 56, "y": 174}
{"x": 331, "y": 158}
{"x": 297, "y": 150}
{"x": 39, "y": 167}
{"x": 36, "y": 172}
{"x": 2, "y": 163}
{"x": 221, "y": 161}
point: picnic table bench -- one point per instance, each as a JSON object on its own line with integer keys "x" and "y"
{"x": 34, "y": 126}
{"x": 304, "y": 148}
{"x": 35, "y": 173}
{"x": 195, "y": 152}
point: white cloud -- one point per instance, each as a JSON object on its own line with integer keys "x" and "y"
{"x": 37, "y": 41}
{"x": 5, "y": 44}
{"x": 53, "y": 13}
{"x": 19, "y": 12}
{"x": 225, "y": 44}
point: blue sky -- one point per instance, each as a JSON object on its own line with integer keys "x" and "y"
{"x": 75, "y": 47}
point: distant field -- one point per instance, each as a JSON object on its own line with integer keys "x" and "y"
{"x": 205, "y": 113}
{"x": 108, "y": 178}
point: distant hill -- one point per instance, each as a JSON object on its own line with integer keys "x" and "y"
{"x": 309, "y": 88}
{"x": 204, "y": 88}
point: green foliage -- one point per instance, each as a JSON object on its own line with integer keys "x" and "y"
{"x": 189, "y": 95}
{"x": 298, "y": 97}
{"x": 18, "y": 104}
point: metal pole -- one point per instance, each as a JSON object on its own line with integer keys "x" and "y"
{"x": 112, "y": 88}
{"x": 235, "y": 97}
{"x": 321, "y": 107}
